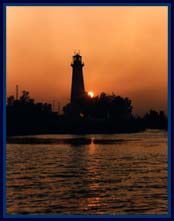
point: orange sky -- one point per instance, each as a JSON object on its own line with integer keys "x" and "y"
{"x": 124, "y": 50}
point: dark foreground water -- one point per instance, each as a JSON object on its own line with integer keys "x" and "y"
{"x": 88, "y": 174}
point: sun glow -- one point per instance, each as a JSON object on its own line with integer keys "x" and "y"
{"x": 91, "y": 94}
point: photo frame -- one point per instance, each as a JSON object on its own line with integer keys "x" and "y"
{"x": 170, "y": 115}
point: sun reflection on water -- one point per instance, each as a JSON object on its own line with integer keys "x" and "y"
{"x": 92, "y": 146}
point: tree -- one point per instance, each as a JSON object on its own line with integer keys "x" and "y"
{"x": 155, "y": 120}
{"x": 25, "y": 98}
{"x": 10, "y": 100}
{"x": 103, "y": 106}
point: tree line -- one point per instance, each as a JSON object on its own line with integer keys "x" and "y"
{"x": 101, "y": 114}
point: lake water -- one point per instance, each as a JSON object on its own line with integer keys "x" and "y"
{"x": 88, "y": 174}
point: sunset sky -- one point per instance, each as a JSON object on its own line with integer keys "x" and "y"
{"x": 124, "y": 50}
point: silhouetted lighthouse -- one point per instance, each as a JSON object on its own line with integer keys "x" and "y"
{"x": 77, "y": 87}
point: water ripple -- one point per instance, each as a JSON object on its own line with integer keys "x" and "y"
{"x": 93, "y": 174}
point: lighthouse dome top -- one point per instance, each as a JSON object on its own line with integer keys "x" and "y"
{"x": 77, "y": 59}
{"x": 77, "y": 55}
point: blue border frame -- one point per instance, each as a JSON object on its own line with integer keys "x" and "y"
{"x": 169, "y": 111}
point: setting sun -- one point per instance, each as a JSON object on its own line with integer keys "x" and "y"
{"x": 91, "y": 94}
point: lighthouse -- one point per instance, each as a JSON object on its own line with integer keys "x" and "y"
{"x": 77, "y": 87}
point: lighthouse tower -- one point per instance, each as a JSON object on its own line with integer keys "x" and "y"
{"x": 77, "y": 87}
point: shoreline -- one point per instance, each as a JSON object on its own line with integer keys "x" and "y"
{"x": 31, "y": 139}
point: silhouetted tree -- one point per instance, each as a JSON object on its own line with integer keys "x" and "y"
{"x": 25, "y": 97}
{"x": 10, "y": 100}
{"x": 100, "y": 114}
{"x": 103, "y": 106}
{"x": 24, "y": 115}
{"x": 155, "y": 120}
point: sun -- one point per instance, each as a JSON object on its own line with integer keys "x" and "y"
{"x": 91, "y": 94}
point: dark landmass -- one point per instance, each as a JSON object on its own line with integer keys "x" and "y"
{"x": 72, "y": 141}
{"x": 101, "y": 114}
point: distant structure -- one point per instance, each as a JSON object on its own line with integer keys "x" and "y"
{"x": 77, "y": 87}
{"x": 17, "y": 92}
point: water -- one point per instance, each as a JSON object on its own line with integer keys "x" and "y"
{"x": 88, "y": 174}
